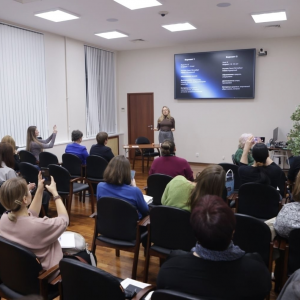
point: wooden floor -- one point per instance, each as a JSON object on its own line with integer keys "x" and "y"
{"x": 118, "y": 266}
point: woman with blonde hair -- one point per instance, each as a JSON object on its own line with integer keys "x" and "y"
{"x": 182, "y": 193}
{"x": 165, "y": 125}
{"x": 35, "y": 145}
{"x": 239, "y": 152}
{"x": 9, "y": 140}
{"x": 22, "y": 225}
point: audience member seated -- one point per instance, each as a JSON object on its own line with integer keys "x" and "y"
{"x": 77, "y": 149}
{"x": 169, "y": 164}
{"x": 23, "y": 226}
{"x": 35, "y": 145}
{"x": 118, "y": 184}
{"x": 289, "y": 216}
{"x": 182, "y": 193}
{"x": 294, "y": 168}
{"x": 8, "y": 139}
{"x": 239, "y": 152}
{"x": 291, "y": 289}
{"x": 100, "y": 148}
{"x": 264, "y": 170}
{"x": 215, "y": 268}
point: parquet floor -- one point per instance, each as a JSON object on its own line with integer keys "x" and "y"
{"x": 118, "y": 266}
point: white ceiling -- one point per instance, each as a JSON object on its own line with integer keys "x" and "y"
{"x": 212, "y": 22}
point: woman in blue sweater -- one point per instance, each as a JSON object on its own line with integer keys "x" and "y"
{"x": 118, "y": 184}
{"x": 77, "y": 149}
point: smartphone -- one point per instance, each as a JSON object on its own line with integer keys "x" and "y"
{"x": 46, "y": 176}
{"x": 132, "y": 174}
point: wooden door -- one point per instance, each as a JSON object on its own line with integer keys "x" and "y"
{"x": 140, "y": 117}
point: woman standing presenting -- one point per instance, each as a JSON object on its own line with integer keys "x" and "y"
{"x": 165, "y": 125}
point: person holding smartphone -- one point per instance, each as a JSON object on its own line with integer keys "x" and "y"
{"x": 120, "y": 184}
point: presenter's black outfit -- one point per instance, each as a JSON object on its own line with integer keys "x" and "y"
{"x": 164, "y": 128}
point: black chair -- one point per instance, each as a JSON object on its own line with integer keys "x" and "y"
{"x": 22, "y": 274}
{"x": 117, "y": 227}
{"x": 29, "y": 172}
{"x": 66, "y": 186}
{"x": 156, "y": 184}
{"x": 169, "y": 229}
{"x": 149, "y": 152}
{"x": 235, "y": 169}
{"x": 26, "y": 156}
{"x": 95, "y": 167}
{"x": 253, "y": 235}
{"x": 258, "y": 200}
{"x": 233, "y": 160}
{"x": 46, "y": 159}
{"x": 174, "y": 295}
{"x": 73, "y": 164}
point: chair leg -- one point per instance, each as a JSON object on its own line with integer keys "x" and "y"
{"x": 69, "y": 204}
{"x": 142, "y": 163}
{"x": 135, "y": 260}
{"x": 83, "y": 196}
{"x": 133, "y": 162}
{"x": 117, "y": 252}
{"x": 148, "y": 162}
{"x": 147, "y": 258}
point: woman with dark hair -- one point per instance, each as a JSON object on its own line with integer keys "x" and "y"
{"x": 8, "y": 139}
{"x": 165, "y": 125}
{"x": 214, "y": 264}
{"x": 264, "y": 170}
{"x": 169, "y": 164}
{"x": 118, "y": 184}
{"x": 184, "y": 194}
{"x": 6, "y": 162}
{"x": 77, "y": 149}
{"x": 35, "y": 145}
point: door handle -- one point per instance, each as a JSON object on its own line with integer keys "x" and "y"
{"x": 150, "y": 125}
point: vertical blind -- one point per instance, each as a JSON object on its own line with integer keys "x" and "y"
{"x": 22, "y": 83}
{"x": 100, "y": 91}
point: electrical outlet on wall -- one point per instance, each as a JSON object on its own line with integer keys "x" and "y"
{"x": 223, "y": 157}
{"x": 197, "y": 154}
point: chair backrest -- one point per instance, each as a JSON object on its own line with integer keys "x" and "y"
{"x": 258, "y": 200}
{"x": 171, "y": 229}
{"x": 82, "y": 281}
{"x": 19, "y": 268}
{"x": 72, "y": 163}
{"x": 156, "y": 184}
{"x": 174, "y": 295}
{"x": 46, "y": 159}
{"x": 26, "y": 156}
{"x": 144, "y": 140}
{"x": 29, "y": 172}
{"x": 62, "y": 178}
{"x": 252, "y": 235}
{"x": 235, "y": 170}
{"x": 116, "y": 219}
{"x": 95, "y": 166}
{"x": 294, "y": 251}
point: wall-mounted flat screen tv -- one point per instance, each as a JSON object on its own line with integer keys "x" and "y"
{"x": 228, "y": 74}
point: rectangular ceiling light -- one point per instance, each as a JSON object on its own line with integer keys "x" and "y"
{"x": 137, "y": 4}
{"x": 269, "y": 17}
{"x": 56, "y": 15}
{"x": 179, "y": 27}
{"x": 111, "y": 35}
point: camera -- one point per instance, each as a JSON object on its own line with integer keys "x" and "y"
{"x": 163, "y": 13}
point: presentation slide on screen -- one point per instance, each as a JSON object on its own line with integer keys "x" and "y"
{"x": 219, "y": 74}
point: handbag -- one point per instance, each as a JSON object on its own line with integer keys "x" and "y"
{"x": 229, "y": 183}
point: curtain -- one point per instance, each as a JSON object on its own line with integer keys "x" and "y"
{"x": 22, "y": 83}
{"x": 100, "y": 91}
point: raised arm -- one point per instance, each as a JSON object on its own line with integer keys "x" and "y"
{"x": 36, "y": 204}
{"x": 247, "y": 147}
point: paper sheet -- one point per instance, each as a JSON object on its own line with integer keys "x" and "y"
{"x": 136, "y": 283}
{"x": 67, "y": 240}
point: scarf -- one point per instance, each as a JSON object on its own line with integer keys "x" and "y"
{"x": 231, "y": 253}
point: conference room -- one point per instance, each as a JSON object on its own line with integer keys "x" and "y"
{"x": 56, "y": 83}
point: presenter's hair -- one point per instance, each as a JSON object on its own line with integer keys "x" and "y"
{"x": 101, "y": 137}
{"x": 118, "y": 171}
{"x": 76, "y": 135}
{"x": 12, "y": 191}
{"x": 260, "y": 154}
{"x": 167, "y": 148}
{"x": 7, "y": 155}
{"x": 162, "y": 114}
{"x": 31, "y": 137}
{"x": 243, "y": 138}
{"x": 213, "y": 223}
{"x": 211, "y": 181}
{"x": 8, "y": 139}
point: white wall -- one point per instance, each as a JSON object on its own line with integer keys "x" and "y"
{"x": 212, "y": 127}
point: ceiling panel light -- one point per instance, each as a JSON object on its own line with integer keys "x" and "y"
{"x": 111, "y": 35}
{"x": 137, "y": 4}
{"x": 179, "y": 27}
{"x": 269, "y": 17}
{"x": 56, "y": 15}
